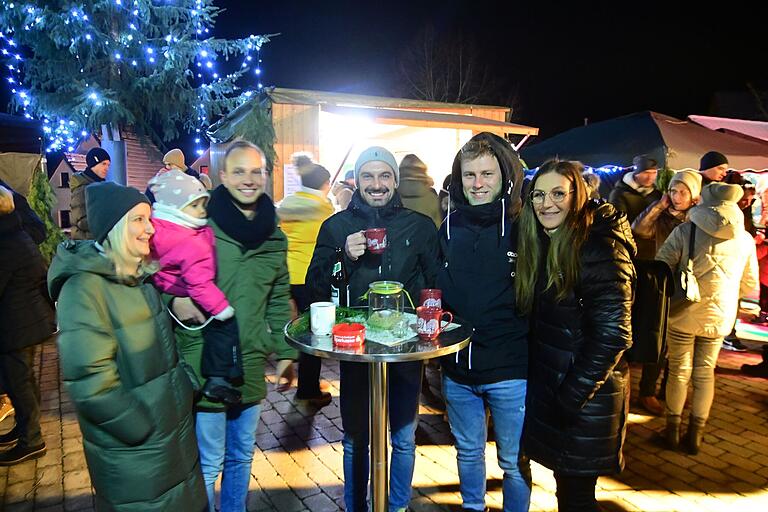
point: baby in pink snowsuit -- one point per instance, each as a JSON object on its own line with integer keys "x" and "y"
{"x": 184, "y": 246}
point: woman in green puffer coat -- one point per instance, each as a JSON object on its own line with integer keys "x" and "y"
{"x": 120, "y": 364}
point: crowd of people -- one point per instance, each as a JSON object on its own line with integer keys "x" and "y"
{"x": 169, "y": 304}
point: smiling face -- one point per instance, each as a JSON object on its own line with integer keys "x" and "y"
{"x": 138, "y": 231}
{"x": 481, "y": 179}
{"x": 244, "y": 176}
{"x": 377, "y": 183}
{"x": 552, "y": 187}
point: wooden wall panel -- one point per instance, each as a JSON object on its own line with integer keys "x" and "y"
{"x": 296, "y": 129}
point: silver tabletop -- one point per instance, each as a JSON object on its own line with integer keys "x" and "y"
{"x": 413, "y": 349}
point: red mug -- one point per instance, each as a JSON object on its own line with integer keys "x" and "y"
{"x": 429, "y": 322}
{"x": 431, "y": 298}
{"x": 376, "y": 240}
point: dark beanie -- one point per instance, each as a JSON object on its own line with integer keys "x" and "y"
{"x": 106, "y": 203}
{"x": 96, "y": 156}
{"x": 712, "y": 159}
{"x": 642, "y": 163}
{"x": 314, "y": 176}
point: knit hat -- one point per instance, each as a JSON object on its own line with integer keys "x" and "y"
{"x": 175, "y": 157}
{"x": 642, "y": 163}
{"x": 690, "y": 179}
{"x": 314, "y": 176}
{"x": 376, "y": 154}
{"x": 106, "y": 203}
{"x": 349, "y": 175}
{"x": 176, "y": 189}
{"x": 712, "y": 159}
{"x": 716, "y": 193}
{"x": 96, "y": 156}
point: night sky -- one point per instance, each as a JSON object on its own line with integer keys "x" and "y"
{"x": 557, "y": 62}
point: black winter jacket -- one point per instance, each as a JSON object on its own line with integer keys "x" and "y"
{"x": 411, "y": 257}
{"x": 578, "y": 386}
{"x": 26, "y": 314}
{"x": 479, "y": 246}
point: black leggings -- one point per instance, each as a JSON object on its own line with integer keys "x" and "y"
{"x": 576, "y": 493}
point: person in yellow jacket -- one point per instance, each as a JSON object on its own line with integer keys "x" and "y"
{"x": 301, "y": 215}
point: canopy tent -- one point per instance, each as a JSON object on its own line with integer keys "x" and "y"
{"x": 672, "y": 142}
{"x": 754, "y": 129}
{"x": 19, "y": 151}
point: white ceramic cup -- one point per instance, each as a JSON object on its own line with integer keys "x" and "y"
{"x": 322, "y": 317}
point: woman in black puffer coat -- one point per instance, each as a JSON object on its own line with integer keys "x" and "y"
{"x": 576, "y": 280}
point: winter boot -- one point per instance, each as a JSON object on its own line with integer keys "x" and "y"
{"x": 757, "y": 370}
{"x": 672, "y": 432}
{"x": 694, "y": 435}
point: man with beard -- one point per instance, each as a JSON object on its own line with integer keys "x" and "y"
{"x": 651, "y": 228}
{"x": 252, "y": 273}
{"x": 412, "y": 258}
{"x": 479, "y": 245}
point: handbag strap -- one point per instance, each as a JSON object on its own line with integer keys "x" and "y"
{"x": 691, "y": 242}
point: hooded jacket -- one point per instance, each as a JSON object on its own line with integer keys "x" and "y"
{"x": 416, "y": 189}
{"x": 26, "y": 313}
{"x": 301, "y": 215}
{"x": 724, "y": 263}
{"x": 578, "y": 383}
{"x": 411, "y": 257}
{"x": 477, "y": 278}
{"x": 654, "y": 225}
{"x": 78, "y": 213}
{"x": 123, "y": 372}
{"x": 627, "y": 197}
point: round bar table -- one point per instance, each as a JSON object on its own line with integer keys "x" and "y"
{"x": 378, "y": 356}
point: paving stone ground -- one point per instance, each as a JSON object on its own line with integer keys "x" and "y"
{"x": 298, "y": 464}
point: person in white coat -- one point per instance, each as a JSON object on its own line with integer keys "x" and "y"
{"x": 725, "y": 265}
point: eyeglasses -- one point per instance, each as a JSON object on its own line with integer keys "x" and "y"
{"x": 557, "y": 196}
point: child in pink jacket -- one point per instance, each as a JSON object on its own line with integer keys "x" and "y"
{"x": 185, "y": 248}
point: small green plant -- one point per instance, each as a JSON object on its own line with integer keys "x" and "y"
{"x": 41, "y": 199}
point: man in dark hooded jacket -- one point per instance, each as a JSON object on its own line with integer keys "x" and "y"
{"x": 412, "y": 258}
{"x": 479, "y": 245}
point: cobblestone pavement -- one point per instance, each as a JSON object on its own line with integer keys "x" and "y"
{"x": 298, "y": 466}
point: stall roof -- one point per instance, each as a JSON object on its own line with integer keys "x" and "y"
{"x": 675, "y": 142}
{"x": 432, "y": 119}
{"x": 755, "y": 129}
{"x": 309, "y": 97}
{"x": 399, "y": 110}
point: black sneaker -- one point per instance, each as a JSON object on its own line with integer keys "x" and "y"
{"x": 733, "y": 344}
{"x": 756, "y": 370}
{"x": 19, "y": 454}
{"x": 761, "y": 319}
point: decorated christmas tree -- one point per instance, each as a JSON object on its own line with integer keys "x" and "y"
{"x": 151, "y": 65}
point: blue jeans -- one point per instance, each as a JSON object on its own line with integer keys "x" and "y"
{"x": 466, "y": 414}
{"x": 226, "y": 441}
{"x": 404, "y": 385}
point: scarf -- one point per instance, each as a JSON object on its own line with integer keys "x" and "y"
{"x": 95, "y": 177}
{"x": 251, "y": 233}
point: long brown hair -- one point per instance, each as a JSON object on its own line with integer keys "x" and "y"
{"x": 562, "y": 259}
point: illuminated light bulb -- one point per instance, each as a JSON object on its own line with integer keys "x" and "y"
{"x": 134, "y": 63}
{"x": 118, "y": 56}
{"x": 209, "y": 64}
{"x": 258, "y": 71}
{"x": 150, "y": 50}
{"x": 203, "y": 53}
{"x": 152, "y": 59}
